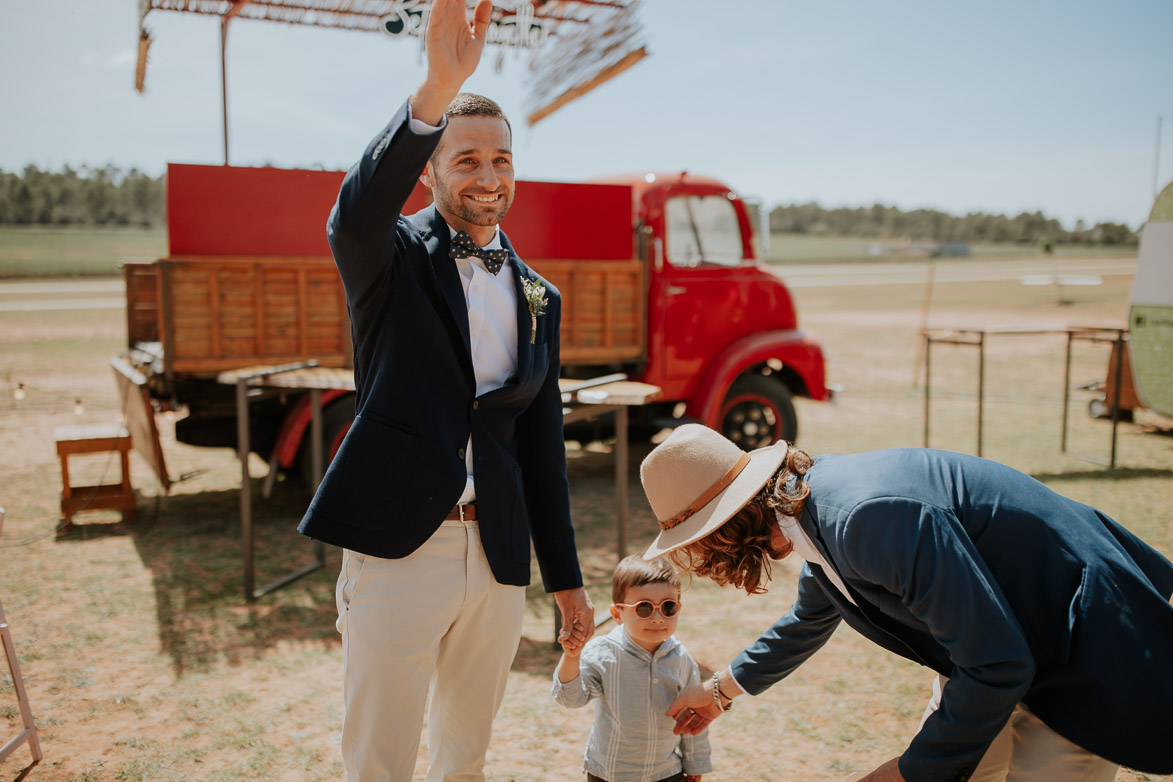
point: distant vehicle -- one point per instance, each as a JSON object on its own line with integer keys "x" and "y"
{"x": 659, "y": 275}
{"x": 951, "y": 250}
{"x": 1150, "y": 313}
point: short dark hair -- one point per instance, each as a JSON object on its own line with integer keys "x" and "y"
{"x": 468, "y": 104}
{"x": 635, "y": 571}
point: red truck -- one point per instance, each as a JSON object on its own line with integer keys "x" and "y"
{"x": 660, "y": 276}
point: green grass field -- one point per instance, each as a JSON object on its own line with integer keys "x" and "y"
{"x": 53, "y": 252}
{"x": 46, "y": 252}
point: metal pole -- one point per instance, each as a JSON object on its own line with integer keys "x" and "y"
{"x": 981, "y": 386}
{"x": 1066, "y": 393}
{"x": 621, "y": 477}
{"x": 928, "y": 344}
{"x": 1116, "y": 394}
{"x": 317, "y": 460}
{"x": 246, "y": 503}
{"x": 1157, "y": 161}
{"x": 224, "y": 82}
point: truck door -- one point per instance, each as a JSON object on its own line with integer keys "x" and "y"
{"x": 705, "y": 293}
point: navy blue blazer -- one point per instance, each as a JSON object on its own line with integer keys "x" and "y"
{"x": 985, "y": 575}
{"x": 401, "y": 467}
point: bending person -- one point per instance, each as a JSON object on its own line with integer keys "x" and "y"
{"x": 1048, "y": 624}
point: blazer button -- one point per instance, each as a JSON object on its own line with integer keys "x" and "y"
{"x": 476, "y": 404}
{"x": 460, "y": 454}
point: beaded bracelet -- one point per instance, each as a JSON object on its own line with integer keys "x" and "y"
{"x": 717, "y": 695}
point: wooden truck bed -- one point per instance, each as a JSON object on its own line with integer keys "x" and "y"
{"x": 208, "y": 315}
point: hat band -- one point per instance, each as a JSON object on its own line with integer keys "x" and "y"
{"x": 709, "y": 494}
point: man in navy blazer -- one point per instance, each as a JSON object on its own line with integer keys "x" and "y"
{"x": 1048, "y": 624}
{"x": 455, "y": 460}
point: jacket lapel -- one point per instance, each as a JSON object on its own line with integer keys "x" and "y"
{"x": 437, "y": 241}
{"x": 525, "y": 350}
{"x": 863, "y": 616}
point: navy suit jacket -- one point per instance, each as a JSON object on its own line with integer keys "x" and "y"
{"x": 985, "y": 575}
{"x": 401, "y": 467}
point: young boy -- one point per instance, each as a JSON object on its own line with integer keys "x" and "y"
{"x": 635, "y": 672}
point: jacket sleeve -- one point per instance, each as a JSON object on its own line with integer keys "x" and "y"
{"x": 361, "y": 227}
{"x": 542, "y": 458}
{"x": 791, "y": 641}
{"x": 922, "y": 555}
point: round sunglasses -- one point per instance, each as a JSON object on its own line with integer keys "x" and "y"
{"x": 645, "y": 608}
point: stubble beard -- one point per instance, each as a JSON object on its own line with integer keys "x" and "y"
{"x": 485, "y": 216}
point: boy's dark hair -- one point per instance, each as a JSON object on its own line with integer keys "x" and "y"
{"x": 635, "y": 571}
{"x": 469, "y": 104}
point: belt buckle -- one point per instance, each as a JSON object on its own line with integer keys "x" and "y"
{"x": 460, "y": 511}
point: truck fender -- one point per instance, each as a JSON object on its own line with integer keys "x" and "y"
{"x": 796, "y": 350}
{"x": 297, "y": 424}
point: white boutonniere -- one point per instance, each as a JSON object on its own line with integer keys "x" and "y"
{"x": 535, "y": 299}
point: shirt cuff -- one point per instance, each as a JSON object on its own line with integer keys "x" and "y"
{"x": 421, "y": 128}
{"x": 734, "y": 680}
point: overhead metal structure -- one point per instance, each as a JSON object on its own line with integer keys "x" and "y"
{"x": 575, "y": 45}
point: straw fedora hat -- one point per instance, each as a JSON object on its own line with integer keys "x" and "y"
{"x": 696, "y": 480}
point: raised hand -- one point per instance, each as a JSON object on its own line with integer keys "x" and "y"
{"x": 454, "y": 47}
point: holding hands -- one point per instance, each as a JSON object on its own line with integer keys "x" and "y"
{"x": 578, "y": 620}
{"x": 694, "y": 709}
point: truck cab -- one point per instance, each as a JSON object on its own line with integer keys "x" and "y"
{"x": 723, "y": 336}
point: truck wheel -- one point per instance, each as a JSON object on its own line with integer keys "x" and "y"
{"x": 336, "y": 420}
{"x": 758, "y": 411}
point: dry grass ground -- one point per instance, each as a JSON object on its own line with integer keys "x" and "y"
{"x": 144, "y": 662}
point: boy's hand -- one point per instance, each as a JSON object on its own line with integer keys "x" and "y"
{"x": 692, "y": 778}
{"x": 578, "y": 619}
{"x": 569, "y": 649}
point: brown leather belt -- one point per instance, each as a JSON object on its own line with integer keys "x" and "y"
{"x": 462, "y": 513}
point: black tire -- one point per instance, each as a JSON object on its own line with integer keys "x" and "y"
{"x": 336, "y": 420}
{"x": 758, "y": 411}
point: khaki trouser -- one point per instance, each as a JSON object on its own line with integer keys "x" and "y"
{"x": 1026, "y": 749}
{"x": 433, "y": 622}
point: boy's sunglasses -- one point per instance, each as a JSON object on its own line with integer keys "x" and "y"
{"x": 645, "y": 608}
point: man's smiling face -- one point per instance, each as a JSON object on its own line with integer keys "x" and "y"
{"x": 471, "y": 175}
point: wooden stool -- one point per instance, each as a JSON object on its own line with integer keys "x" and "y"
{"x": 29, "y": 733}
{"x": 95, "y": 439}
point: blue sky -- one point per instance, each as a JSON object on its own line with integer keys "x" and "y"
{"x": 995, "y": 106}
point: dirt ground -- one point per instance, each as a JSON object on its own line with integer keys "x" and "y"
{"x": 144, "y": 662}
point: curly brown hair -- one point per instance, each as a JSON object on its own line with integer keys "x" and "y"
{"x": 740, "y": 552}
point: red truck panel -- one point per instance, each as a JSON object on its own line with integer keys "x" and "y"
{"x": 227, "y": 210}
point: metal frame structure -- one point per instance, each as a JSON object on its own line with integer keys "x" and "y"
{"x": 590, "y": 41}
{"x": 977, "y": 338}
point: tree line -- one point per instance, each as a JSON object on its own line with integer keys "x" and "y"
{"x": 85, "y": 196}
{"x": 110, "y": 196}
{"x": 889, "y": 222}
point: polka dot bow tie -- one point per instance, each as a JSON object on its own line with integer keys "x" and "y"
{"x": 464, "y": 247}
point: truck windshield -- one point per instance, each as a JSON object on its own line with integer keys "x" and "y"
{"x": 703, "y": 229}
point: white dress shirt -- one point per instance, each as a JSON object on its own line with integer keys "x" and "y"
{"x": 492, "y": 317}
{"x": 805, "y": 548}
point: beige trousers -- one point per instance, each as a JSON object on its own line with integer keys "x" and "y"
{"x": 433, "y": 623}
{"x": 1026, "y": 749}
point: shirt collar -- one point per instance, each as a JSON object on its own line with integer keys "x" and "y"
{"x": 494, "y": 243}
